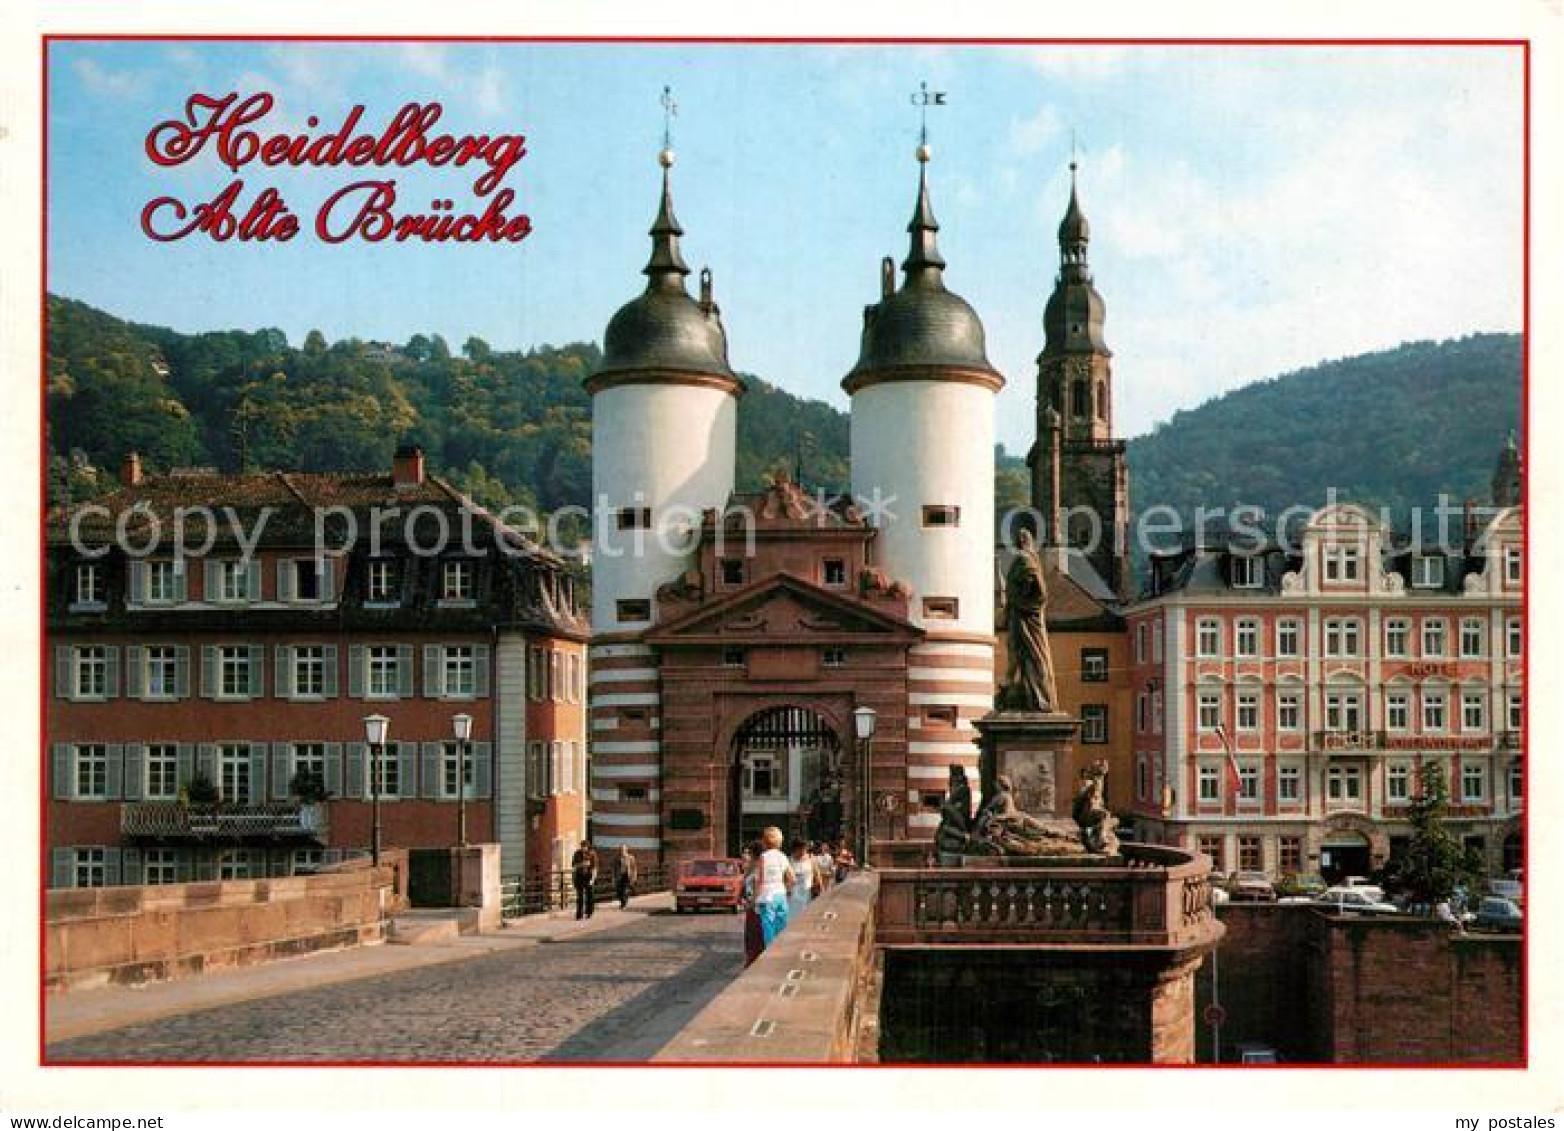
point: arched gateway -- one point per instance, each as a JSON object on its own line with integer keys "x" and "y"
{"x": 785, "y": 770}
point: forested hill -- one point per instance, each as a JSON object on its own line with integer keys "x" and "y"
{"x": 1393, "y": 428}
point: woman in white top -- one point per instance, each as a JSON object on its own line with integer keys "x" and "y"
{"x": 773, "y": 883}
{"x": 805, "y": 879}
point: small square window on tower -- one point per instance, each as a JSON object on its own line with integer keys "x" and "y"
{"x": 732, "y": 657}
{"x": 833, "y": 572}
{"x": 941, "y": 514}
{"x": 733, "y": 571}
{"x": 633, "y": 518}
{"x": 834, "y": 658}
{"x": 940, "y": 608}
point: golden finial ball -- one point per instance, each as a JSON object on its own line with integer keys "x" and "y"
{"x": 924, "y": 153}
{"x": 665, "y": 158}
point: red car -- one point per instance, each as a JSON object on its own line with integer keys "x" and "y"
{"x": 709, "y": 883}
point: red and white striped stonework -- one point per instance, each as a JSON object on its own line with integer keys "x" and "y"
{"x": 625, "y": 725}
{"x": 950, "y": 682}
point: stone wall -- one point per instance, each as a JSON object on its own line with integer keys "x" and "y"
{"x": 803, "y": 1000}
{"x": 1349, "y": 990}
{"x": 130, "y": 935}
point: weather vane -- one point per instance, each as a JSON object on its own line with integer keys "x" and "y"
{"x": 670, "y": 108}
{"x": 923, "y": 99}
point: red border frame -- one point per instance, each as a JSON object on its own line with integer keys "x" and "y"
{"x": 1004, "y": 41}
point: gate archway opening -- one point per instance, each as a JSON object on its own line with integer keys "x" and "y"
{"x": 785, "y": 770}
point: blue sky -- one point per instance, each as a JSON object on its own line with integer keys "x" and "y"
{"x": 1253, "y": 209}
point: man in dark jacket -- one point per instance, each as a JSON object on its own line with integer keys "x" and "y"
{"x": 583, "y": 874}
{"x": 624, "y": 876}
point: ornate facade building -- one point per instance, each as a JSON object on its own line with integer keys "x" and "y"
{"x": 734, "y": 637}
{"x": 1289, "y": 691}
{"x": 239, "y": 665}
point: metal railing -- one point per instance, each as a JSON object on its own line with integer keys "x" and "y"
{"x": 556, "y": 890}
{"x": 173, "y": 821}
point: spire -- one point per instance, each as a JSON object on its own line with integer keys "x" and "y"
{"x": 1506, "y": 481}
{"x": 666, "y": 268}
{"x": 924, "y": 262}
{"x": 1074, "y": 234}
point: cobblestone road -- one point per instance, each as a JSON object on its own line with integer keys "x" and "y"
{"x": 617, "y": 995}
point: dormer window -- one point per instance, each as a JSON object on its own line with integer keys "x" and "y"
{"x": 1343, "y": 563}
{"x": 456, "y": 581}
{"x": 91, "y": 591}
{"x": 1248, "y": 571}
{"x": 833, "y": 572}
{"x": 1512, "y": 565}
{"x": 1428, "y": 571}
{"x": 733, "y": 571}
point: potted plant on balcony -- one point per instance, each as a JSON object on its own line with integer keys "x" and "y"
{"x": 199, "y": 790}
{"x": 309, "y": 787}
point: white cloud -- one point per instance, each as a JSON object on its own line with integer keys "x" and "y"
{"x": 1030, "y": 135}
{"x": 1080, "y": 61}
{"x": 109, "y": 83}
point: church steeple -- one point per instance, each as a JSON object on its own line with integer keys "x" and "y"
{"x": 1074, "y": 234}
{"x": 1506, "y": 482}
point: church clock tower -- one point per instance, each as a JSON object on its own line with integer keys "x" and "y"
{"x": 1080, "y": 480}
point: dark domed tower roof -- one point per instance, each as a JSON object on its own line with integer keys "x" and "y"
{"x": 922, "y": 326}
{"x": 664, "y": 331}
{"x": 1073, "y": 318}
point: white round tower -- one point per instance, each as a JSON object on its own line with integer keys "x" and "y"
{"x": 923, "y": 438}
{"x": 664, "y": 433}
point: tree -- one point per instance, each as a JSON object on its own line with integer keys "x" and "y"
{"x": 1435, "y": 862}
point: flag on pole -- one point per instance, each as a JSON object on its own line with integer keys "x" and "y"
{"x": 1234, "y": 780}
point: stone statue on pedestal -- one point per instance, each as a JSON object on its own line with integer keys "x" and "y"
{"x": 1003, "y": 829}
{"x": 1091, "y": 811}
{"x": 1029, "y": 676}
{"x": 955, "y": 816}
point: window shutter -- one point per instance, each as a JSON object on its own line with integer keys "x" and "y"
{"x": 184, "y": 766}
{"x": 210, "y": 588}
{"x": 328, "y": 578}
{"x": 63, "y": 859}
{"x": 356, "y": 785}
{"x": 182, "y": 671}
{"x": 135, "y": 671}
{"x": 62, "y": 771}
{"x": 432, "y": 773}
{"x": 205, "y": 866}
{"x": 252, "y": 590}
{"x": 257, "y": 671}
{"x": 481, "y": 754}
{"x": 116, "y": 774}
{"x": 284, "y": 579}
{"x": 432, "y": 682}
{"x": 208, "y": 671}
{"x": 281, "y": 779}
{"x": 138, "y": 583}
{"x": 330, "y": 660}
{"x": 181, "y": 581}
{"x": 356, "y": 671}
{"x": 184, "y": 866}
{"x": 62, "y": 672}
{"x": 135, "y": 770}
{"x": 334, "y": 769}
{"x": 111, "y": 679}
{"x": 404, "y": 671}
{"x": 282, "y": 672}
{"x": 480, "y": 671}
{"x": 130, "y": 867}
{"x": 258, "y": 774}
{"x": 407, "y": 768}
{"x": 111, "y": 867}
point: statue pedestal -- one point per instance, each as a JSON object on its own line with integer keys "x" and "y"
{"x": 1029, "y": 747}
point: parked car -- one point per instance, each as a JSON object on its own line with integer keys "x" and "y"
{"x": 1495, "y": 913}
{"x": 1365, "y": 885}
{"x": 1219, "y": 895}
{"x": 1251, "y": 886}
{"x": 1352, "y": 901}
{"x": 1250, "y": 1053}
{"x": 1306, "y": 884}
{"x": 709, "y": 883}
{"x": 1512, "y": 890}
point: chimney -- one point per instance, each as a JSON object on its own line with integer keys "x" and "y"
{"x": 407, "y": 467}
{"x": 130, "y": 470}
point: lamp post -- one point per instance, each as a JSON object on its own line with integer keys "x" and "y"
{"x": 376, "y": 728}
{"x": 461, "y": 727}
{"x": 864, "y": 719}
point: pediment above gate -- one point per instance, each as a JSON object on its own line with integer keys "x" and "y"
{"x": 784, "y": 609}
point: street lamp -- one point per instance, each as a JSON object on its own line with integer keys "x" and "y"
{"x": 376, "y": 727}
{"x": 864, "y": 719}
{"x": 461, "y": 727}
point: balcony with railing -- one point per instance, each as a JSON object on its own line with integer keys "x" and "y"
{"x": 268, "y": 821}
{"x": 1153, "y": 898}
{"x": 1348, "y": 741}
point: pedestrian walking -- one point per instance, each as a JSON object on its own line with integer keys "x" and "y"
{"x": 754, "y": 939}
{"x": 583, "y": 875}
{"x": 773, "y": 883}
{"x": 825, "y": 864}
{"x": 624, "y": 876}
{"x": 844, "y": 862}
{"x": 806, "y": 879}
